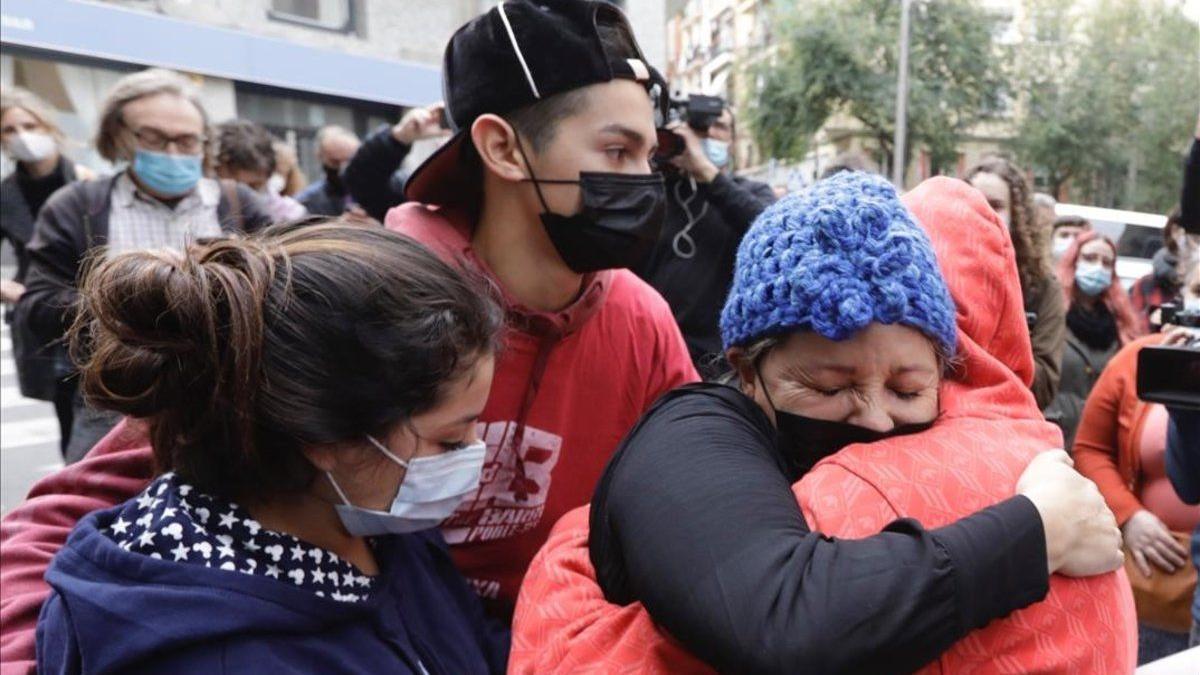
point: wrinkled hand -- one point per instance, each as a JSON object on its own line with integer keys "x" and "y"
{"x": 10, "y": 291}
{"x": 692, "y": 159}
{"x": 1149, "y": 541}
{"x": 1082, "y": 537}
{"x": 420, "y": 123}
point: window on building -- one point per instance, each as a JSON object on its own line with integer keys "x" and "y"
{"x": 297, "y": 117}
{"x": 338, "y": 15}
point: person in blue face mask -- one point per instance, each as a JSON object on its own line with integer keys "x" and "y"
{"x": 708, "y": 211}
{"x": 312, "y": 395}
{"x": 1100, "y": 320}
{"x": 152, "y": 126}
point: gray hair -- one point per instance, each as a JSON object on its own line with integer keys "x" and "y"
{"x": 1044, "y": 201}
{"x": 151, "y": 82}
{"x": 331, "y": 131}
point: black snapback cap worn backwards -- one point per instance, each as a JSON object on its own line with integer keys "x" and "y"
{"x": 518, "y": 53}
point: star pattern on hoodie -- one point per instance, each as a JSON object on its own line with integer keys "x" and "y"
{"x": 173, "y": 522}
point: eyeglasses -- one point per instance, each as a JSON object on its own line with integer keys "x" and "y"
{"x": 153, "y": 139}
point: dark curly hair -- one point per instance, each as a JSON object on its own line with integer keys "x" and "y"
{"x": 241, "y": 352}
{"x": 242, "y": 144}
{"x": 1029, "y": 237}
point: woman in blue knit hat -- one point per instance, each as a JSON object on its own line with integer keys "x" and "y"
{"x": 840, "y": 328}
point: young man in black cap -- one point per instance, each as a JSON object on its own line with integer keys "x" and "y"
{"x": 547, "y": 189}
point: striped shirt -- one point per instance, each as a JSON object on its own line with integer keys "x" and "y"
{"x": 139, "y": 222}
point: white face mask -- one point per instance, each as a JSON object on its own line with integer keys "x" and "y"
{"x": 1191, "y": 304}
{"x": 31, "y": 146}
{"x": 430, "y": 492}
{"x": 276, "y": 183}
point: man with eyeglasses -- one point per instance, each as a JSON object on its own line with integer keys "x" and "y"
{"x": 153, "y": 125}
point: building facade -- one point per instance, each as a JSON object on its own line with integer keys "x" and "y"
{"x": 291, "y": 65}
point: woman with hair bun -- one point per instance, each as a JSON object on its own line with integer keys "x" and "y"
{"x": 311, "y": 395}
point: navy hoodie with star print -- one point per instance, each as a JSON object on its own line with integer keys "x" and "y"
{"x": 173, "y": 581}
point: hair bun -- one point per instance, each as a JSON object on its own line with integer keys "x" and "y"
{"x": 159, "y": 330}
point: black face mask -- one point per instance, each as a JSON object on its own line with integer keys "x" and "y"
{"x": 333, "y": 178}
{"x": 618, "y": 225}
{"x": 804, "y": 441}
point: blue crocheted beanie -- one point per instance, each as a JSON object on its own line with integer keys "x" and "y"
{"x": 833, "y": 259}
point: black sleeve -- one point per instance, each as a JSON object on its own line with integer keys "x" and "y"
{"x": 55, "y": 253}
{"x": 739, "y": 202}
{"x": 1183, "y": 453}
{"x": 255, "y": 215}
{"x": 368, "y": 176}
{"x": 696, "y": 519}
{"x": 1189, "y": 201}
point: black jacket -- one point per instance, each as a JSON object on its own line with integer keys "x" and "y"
{"x": 695, "y": 518}
{"x": 696, "y": 286}
{"x": 372, "y": 176}
{"x": 1081, "y": 367}
{"x": 72, "y": 223}
{"x": 17, "y": 218}
{"x": 1189, "y": 200}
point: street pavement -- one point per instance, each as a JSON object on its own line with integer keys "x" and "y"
{"x": 28, "y": 431}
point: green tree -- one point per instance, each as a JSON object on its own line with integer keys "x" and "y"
{"x": 1108, "y": 92}
{"x": 841, "y": 56}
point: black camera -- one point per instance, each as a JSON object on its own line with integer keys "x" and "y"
{"x": 1172, "y": 315}
{"x": 698, "y": 111}
{"x": 1171, "y": 375}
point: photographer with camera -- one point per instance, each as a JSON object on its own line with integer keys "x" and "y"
{"x": 708, "y": 211}
{"x": 1122, "y": 445}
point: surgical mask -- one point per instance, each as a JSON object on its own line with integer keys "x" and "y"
{"x": 1091, "y": 279}
{"x": 1191, "y": 305}
{"x": 166, "y": 174}
{"x": 1060, "y": 246}
{"x": 804, "y": 441}
{"x": 430, "y": 492}
{"x": 276, "y": 183}
{"x": 717, "y": 152}
{"x": 31, "y": 146}
{"x": 618, "y": 225}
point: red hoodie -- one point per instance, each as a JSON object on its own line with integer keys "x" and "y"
{"x": 988, "y": 430}
{"x": 567, "y": 387}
